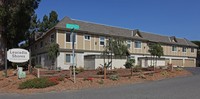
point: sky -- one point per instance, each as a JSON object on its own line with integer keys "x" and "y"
{"x": 180, "y": 18}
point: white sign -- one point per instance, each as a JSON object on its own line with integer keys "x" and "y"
{"x": 17, "y": 55}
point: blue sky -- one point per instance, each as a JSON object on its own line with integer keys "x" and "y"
{"x": 180, "y": 18}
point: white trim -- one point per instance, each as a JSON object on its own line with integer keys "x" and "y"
{"x": 135, "y": 44}
{"x": 84, "y": 42}
{"x": 56, "y": 36}
{"x": 172, "y": 48}
{"x": 65, "y": 40}
{"x": 94, "y": 44}
{"x": 100, "y": 41}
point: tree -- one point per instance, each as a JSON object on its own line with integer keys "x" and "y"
{"x": 119, "y": 47}
{"x": 48, "y": 21}
{"x": 116, "y": 46}
{"x": 15, "y": 16}
{"x": 156, "y": 51}
{"x": 53, "y": 52}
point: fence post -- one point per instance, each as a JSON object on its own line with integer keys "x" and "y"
{"x": 38, "y": 73}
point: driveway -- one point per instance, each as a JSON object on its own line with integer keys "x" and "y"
{"x": 175, "y": 88}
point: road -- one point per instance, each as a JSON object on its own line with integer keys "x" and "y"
{"x": 175, "y": 88}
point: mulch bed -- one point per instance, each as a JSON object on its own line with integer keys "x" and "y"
{"x": 10, "y": 84}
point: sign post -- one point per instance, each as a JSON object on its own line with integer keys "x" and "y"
{"x": 17, "y": 55}
{"x": 73, "y": 27}
{"x": 5, "y": 52}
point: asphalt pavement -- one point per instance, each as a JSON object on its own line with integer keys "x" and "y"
{"x": 174, "y": 88}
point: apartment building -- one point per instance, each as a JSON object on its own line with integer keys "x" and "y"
{"x": 91, "y": 38}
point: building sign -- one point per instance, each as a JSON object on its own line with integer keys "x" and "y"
{"x": 18, "y": 55}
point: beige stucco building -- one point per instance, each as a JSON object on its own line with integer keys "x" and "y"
{"x": 91, "y": 38}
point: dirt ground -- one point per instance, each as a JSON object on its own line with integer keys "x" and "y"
{"x": 10, "y": 84}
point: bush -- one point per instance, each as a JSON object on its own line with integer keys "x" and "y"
{"x": 100, "y": 82}
{"x": 129, "y": 63}
{"x": 38, "y": 83}
{"x": 114, "y": 77}
{"x": 79, "y": 70}
{"x": 38, "y": 66}
{"x": 179, "y": 69}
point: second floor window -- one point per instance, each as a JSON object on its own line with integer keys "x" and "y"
{"x": 138, "y": 44}
{"x": 52, "y": 38}
{"x": 128, "y": 43}
{"x": 192, "y": 50}
{"x": 174, "y": 48}
{"x": 69, "y": 37}
{"x": 102, "y": 40}
{"x": 87, "y": 37}
{"x": 184, "y": 49}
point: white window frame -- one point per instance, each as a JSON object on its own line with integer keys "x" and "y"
{"x": 71, "y": 56}
{"x": 86, "y": 35}
{"x": 174, "y": 48}
{"x": 192, "y": 50}
{"x": 129, "y": 42}
{"x": 101, "y": 40}
{"x": 136, "y": 45}
{"x": 184, "y": 49}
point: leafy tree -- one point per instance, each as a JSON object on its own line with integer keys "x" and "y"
{"x": 15, "y": 16}
{"x": 156, "y": 51}
{"x": 53, "y": 19}
{"x": 44, "y": 25}
{"x": 119, "y": 47}
{"x": 48, "y": 21}
{"x": 53, "y": 52}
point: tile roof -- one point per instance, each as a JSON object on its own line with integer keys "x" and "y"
{"x": 116, "y": 31}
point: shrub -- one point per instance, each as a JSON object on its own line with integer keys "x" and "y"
{"x": 129, "y": 63}
{"x": 88, "y": 79}
{"x": 114, "y": 77}
{"x": 38, "y": 66}
{"x": 38, "y": 83}
{"x": 100, "y": 82}
{"x": 179, "y": 69}
{"x": 164, "y": 73}
{"x": 79, "y": 70}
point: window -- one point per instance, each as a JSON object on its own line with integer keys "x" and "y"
{"x": 69, "y": 37}
{"x": 184, "y": 49}
{"x": 52, "y": 39}
{"x": 128, "y": 43}
{"x": 174, "y": 48}
{"x": 69, "y": 58}
{"x": 192, "y": 50}
{"x": 87, "y": 37}
{"x": 41, "y": 44}
{"x": 137, "y": 44}
{"x": 102, "y": 40}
